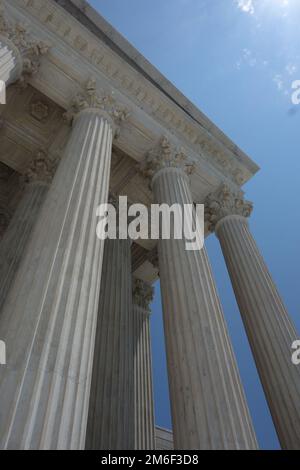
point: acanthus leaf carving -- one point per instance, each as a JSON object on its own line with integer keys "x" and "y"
{"x": 40, "y": 170}
{"x": 143, "y": 294}
{"x": 30, "y": 49}
{"x": 215, "y": 153}
{"x": 166, "y": 155}
{"x": 91, "y": 97}
{"x": 223, "y": 203}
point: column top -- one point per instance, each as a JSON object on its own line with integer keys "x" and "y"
{"x": 166, "y": 156}
{"x": 142, "y": 293}
{"x": 28, "y": 48}
{"x": 101, "y": 101}
{"x": 223, "y": 203}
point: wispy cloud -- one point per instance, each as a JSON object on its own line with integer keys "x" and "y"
{"x": 247, "y": 58}
{"x": 291, "y": 69}
{"x": 282, "y": 83}
{"x": 246, "y": 6}
{"x": 252, "y": 7}
{"x": 280, "y": 70}
{"x": 278, "y": 80}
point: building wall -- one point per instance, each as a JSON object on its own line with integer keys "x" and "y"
{"x": 163, "y": 439}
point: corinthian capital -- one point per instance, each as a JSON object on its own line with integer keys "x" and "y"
{"x": 30, "y": 49}
{"x": 225, "y": 202}
{"x": 142, "y": 293}
{"x": 40, "y": 170}
{"x": 92, "y": 98}
{"x": 166, "y": 155}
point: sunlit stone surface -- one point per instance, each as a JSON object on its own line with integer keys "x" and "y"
{"x": 80, "y": 94}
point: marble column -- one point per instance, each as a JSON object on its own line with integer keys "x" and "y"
{"x": 268, "y": 325}
{"x": 36, "y": 179}
{"x": 48, "y": 321}
{"x": 111, "y": 411}
{"x": 209, "y": 409}
{"x": 143, "y": 390}
{"x": 19, "y": 53}
{"x": 11, "y": 63}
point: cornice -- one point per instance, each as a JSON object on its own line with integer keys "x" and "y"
{"x": 145, "y": 95}
{"x": 94, "y": 22}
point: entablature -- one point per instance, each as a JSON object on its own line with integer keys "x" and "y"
{"x": 77, "y": 53}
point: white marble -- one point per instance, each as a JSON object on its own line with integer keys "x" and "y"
{"x": 268, "y": 325}
{"x": 19, "y": 52}
{"x": 78, "y": 50}
{"x": 49, "y": 318}
{"x": 163, "y": 439}
{"x": 209, "y": 409}
{"x": 143, "y": 388}
{"x": 37, "y": 179}
{"x": 11, "y": 63}
{"x": 111, "y": 410}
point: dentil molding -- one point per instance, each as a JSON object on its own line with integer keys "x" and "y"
{"x": 143, "y": 93}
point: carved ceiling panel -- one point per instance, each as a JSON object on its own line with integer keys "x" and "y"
{"x": 30, "y": 122}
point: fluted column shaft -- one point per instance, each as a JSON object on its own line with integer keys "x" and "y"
{"x": 143, "y": 388}
{"x": 11, "y": 62}
{"x": 49, "y": 317}
{"x": 16, "y": 236}
{"x": 111, "y": 411}
{"x": 208, "y": 405}
{"x": 269, "y": 328}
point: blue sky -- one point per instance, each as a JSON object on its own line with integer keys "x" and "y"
{"x": 236, "y": 60}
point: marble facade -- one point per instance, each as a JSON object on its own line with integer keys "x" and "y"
{"x": 87, "y": 115}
